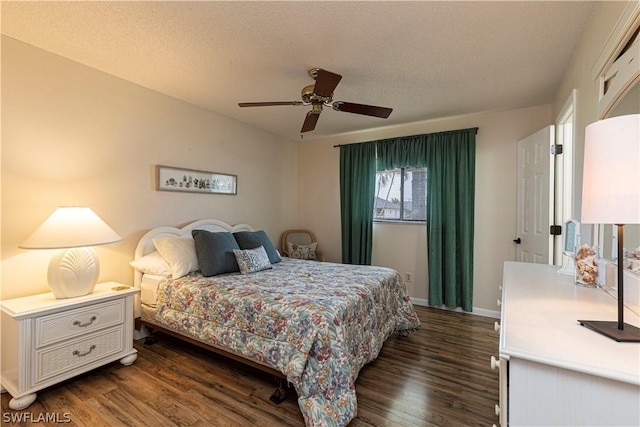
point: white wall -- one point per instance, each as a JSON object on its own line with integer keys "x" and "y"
{"x": 403, "y": 247}
{"x": 72, "y": 135}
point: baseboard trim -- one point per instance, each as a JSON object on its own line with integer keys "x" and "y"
{"x": 420, "y": 301}
{"x": 486, "y": 313}
{"x": 477, "y": 311}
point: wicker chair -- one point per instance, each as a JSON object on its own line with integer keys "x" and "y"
{"x": 299, "y": 237}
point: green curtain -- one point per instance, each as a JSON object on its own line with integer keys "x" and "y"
{"x": 450, "y": 161}
{"x": 405, "y": 152}
{"x": 450, "y": 213}
{"x": 357, "y": 189}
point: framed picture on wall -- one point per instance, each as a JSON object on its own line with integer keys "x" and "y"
{"x": 169, "y": 178}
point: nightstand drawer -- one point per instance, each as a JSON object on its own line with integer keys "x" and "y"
{"x": 72, "y": 323}
{"x": 58, "y": 359}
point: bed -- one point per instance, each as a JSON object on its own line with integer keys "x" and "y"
{"x": 315, "y": 324}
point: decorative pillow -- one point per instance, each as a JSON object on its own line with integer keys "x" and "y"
{"x": 152, "y": 264}
{"x": 180, "y": 254}
{"x": 215, "y": 252}
{"x": 252, "y": 260}
{"x": 254, "y": 239}
{"x": 302, "y": 251}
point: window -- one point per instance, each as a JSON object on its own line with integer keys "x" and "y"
{"x": 401, "y": 195}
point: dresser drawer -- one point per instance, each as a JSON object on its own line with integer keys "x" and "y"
{"x": 58, "y": 359}
{"x": 60, "y": 326}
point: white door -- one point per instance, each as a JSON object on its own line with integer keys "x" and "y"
{"x": 535, "y": 198}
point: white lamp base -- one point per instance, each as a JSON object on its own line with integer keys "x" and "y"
{"x": 73, "y": 272}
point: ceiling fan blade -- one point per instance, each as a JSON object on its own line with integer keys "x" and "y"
{"x": 269, "y": 104}
{"x": 310, "y": 122}
{"x": 367, "y": 110}
{"x": 326, "y": 82}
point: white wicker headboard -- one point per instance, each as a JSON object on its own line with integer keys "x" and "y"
{"x": 145, "y": 245}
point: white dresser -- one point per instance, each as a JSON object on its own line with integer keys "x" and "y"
{"x": 553, "y": 371}
{"x": 47, "y": 340}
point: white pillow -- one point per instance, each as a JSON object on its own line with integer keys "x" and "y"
{"x": 180, "y": 254}
{"x": 152, "y": 264}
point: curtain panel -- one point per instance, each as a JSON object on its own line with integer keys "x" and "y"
{"x": 450, "y": 217}
{"x": 357, "y": 188}
{"x": 450, "y": 161}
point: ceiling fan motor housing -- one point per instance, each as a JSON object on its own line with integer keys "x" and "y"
{"x": 310, "y": 97}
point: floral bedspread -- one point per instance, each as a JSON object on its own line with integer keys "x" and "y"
{"x": 317, "y": 323}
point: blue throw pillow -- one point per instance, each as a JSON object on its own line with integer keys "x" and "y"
{"x": 255, "y": 239}
{"x": 215, "y": 252}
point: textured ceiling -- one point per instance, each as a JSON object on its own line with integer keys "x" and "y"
{"x": 424, "y": 59}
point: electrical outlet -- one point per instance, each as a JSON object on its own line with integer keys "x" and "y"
{"x": 408, "y": 276}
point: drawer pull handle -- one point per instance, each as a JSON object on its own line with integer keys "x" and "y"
{"x": 77, "y": 353}
{"x": 83, "y": 325}
{"x": 495, "y": 363}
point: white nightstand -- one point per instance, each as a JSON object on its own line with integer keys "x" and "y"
{"x": 47, "y": 340}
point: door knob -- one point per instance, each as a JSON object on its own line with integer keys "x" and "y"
{"x": 517, "y": 241}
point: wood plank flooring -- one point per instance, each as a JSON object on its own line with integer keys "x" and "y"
{"x": 438, "y": 376}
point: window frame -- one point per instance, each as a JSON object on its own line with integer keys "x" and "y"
{"x": 401, "y": 219}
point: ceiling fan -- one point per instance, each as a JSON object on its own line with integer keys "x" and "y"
{"x": 321, "y": 94}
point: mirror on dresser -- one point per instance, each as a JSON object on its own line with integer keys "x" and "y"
{"x": 628, "y": 103}
{"x": 619, "y": 95}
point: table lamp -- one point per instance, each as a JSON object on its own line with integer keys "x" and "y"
{"x": 74, "y": 270}
{"x": 611, "y": 195}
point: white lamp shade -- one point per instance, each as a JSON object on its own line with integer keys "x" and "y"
{"x": 611, "y": 177}
{"x": 71, "y": 227}
{"x": 72, "y": 272}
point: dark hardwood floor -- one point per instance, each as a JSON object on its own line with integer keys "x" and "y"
{"x": 437, "y": 376}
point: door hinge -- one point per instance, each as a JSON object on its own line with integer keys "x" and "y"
{"x": 556, "y": 149}
{"x": 555, "y": 230}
